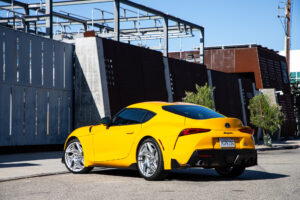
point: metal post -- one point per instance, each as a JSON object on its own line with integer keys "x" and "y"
{"x": 117, "y": 21}
{"x": 166, "y": 39}
{"x": 26, "y": 11}
{"x": 49, "y": 20}
{"x": 242, "y": 102}
{"x": 212, "y": 96}
{"x": 201, "y": 49}
{"x": 287, "y": 35}
{"x": 167, "y": 79}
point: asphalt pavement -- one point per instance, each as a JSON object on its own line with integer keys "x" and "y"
{"x": 277, "y": 176}
{"x": 20, "y": 166}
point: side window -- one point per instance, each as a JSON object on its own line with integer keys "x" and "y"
{"x": 129, "y": 116}
{"x": 148, "y": 116}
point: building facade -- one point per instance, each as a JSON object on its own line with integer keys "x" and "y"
{"x": 269, "y": 68}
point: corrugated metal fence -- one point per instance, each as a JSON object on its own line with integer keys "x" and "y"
{"x": 35, "y": 89}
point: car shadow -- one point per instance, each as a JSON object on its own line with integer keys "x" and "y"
{"x": 194, "y": 174}
{"x": 6, "y": 165}
{"x": 212, "y": 175}
{"x": 21, "y": 157}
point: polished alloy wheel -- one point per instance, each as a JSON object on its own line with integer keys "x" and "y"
{"x": 148, "y": 159}
{"x": 74, "y": 157}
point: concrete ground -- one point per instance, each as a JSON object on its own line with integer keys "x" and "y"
{"x": 43, "y": 176}
{"x": 18, "y": 166}
{"x": 277, "y": 145}
{"x": 276, "y": 177}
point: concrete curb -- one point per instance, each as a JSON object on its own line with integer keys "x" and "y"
{"x": 279, "y": 147}
{"x": 33, "y": 176}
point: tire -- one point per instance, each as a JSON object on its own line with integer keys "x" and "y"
{"x": 74, "y": 159}
{"x": 230, "y": 172}
{"x": 150, "y": 162}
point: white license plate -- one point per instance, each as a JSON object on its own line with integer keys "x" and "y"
{"x": 226, "y": 142}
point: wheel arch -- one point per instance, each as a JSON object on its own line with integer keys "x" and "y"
{"x": 140, "y": 142}
{"x": 69, "y": 139}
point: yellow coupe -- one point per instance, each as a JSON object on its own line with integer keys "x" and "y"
{"x": 156, "y": 137}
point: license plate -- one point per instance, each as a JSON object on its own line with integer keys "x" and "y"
{"x": 226, "y": 142}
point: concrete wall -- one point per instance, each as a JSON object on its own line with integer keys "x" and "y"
{"x": 91, "y": 93}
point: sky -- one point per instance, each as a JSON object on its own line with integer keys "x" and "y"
{"x": 230, "y": 22}
{"x": 226, "y": 22}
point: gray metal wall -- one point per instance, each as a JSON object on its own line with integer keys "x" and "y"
{"x": 35, "y": 89}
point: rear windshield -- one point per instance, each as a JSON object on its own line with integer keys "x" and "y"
{"x": 193, "y": 111}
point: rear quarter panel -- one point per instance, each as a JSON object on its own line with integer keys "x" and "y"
{"x": 164, "y": 128}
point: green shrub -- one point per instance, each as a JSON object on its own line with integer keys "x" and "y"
{"x": 202, "y": 96}
{"x": 266, "y": 116}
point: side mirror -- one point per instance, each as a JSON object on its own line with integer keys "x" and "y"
{"x": 106, "y": 121}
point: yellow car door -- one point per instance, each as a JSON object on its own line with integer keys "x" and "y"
{"x": 115, "y": 141}
{"x": 121, "y": 138}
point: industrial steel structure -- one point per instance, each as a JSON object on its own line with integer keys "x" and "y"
{"x": 139, "y": 23}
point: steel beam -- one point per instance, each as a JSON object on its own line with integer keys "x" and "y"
{"x": 89, "y": 22}
{"x": 26, "y": 11}
{"x": 117, "y": 20}
{"x": 154, "y": 29}
{"x": 17, "y": 4}
{"x": 156, "y": 12}
{"x": 166, "y": 39}
{"x": 201, "y": 48}
{"x": 59, "y": 3}
{"x": 49, "y": 20}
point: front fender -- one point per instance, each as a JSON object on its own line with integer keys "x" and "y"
{"x": 84, "y": 135}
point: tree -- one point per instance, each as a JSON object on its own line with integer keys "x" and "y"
{"x": 295, "y": 90}
{"x": 201, "y": 97}
{"x": 266, "y": 116}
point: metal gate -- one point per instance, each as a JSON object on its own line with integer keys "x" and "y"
{"x": 35, "y": 89}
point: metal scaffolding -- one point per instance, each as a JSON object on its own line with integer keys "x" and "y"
{"x": 127, "y": 22}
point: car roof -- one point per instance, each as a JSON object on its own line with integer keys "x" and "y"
{"x": 156, "y": 105}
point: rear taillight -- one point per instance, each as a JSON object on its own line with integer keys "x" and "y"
{"x": 247, "y": 130}
{"x": 190, "y": 131}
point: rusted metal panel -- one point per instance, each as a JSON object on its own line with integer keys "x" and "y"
{"x": 222, "y": 60}
{"x": 246, "y": 60}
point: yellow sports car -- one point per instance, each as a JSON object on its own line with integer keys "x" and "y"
{"x": 155, "y": 137}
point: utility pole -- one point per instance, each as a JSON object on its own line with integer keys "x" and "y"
{"x": 286, "y": 26}
{"x": 287, "y": 35}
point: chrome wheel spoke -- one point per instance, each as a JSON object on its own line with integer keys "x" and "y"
{"x": 149, "y": 147}
{"x": 148, "y": 159}
{"x": 78, "y": 146}
{"x": 74, "y": 157}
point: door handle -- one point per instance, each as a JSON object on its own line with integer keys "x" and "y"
{"x": 129, "y": 132}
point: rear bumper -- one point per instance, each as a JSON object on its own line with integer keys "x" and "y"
{"x": 220, "y": 158}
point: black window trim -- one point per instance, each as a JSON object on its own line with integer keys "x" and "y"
{"x": 134, "y": 109}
